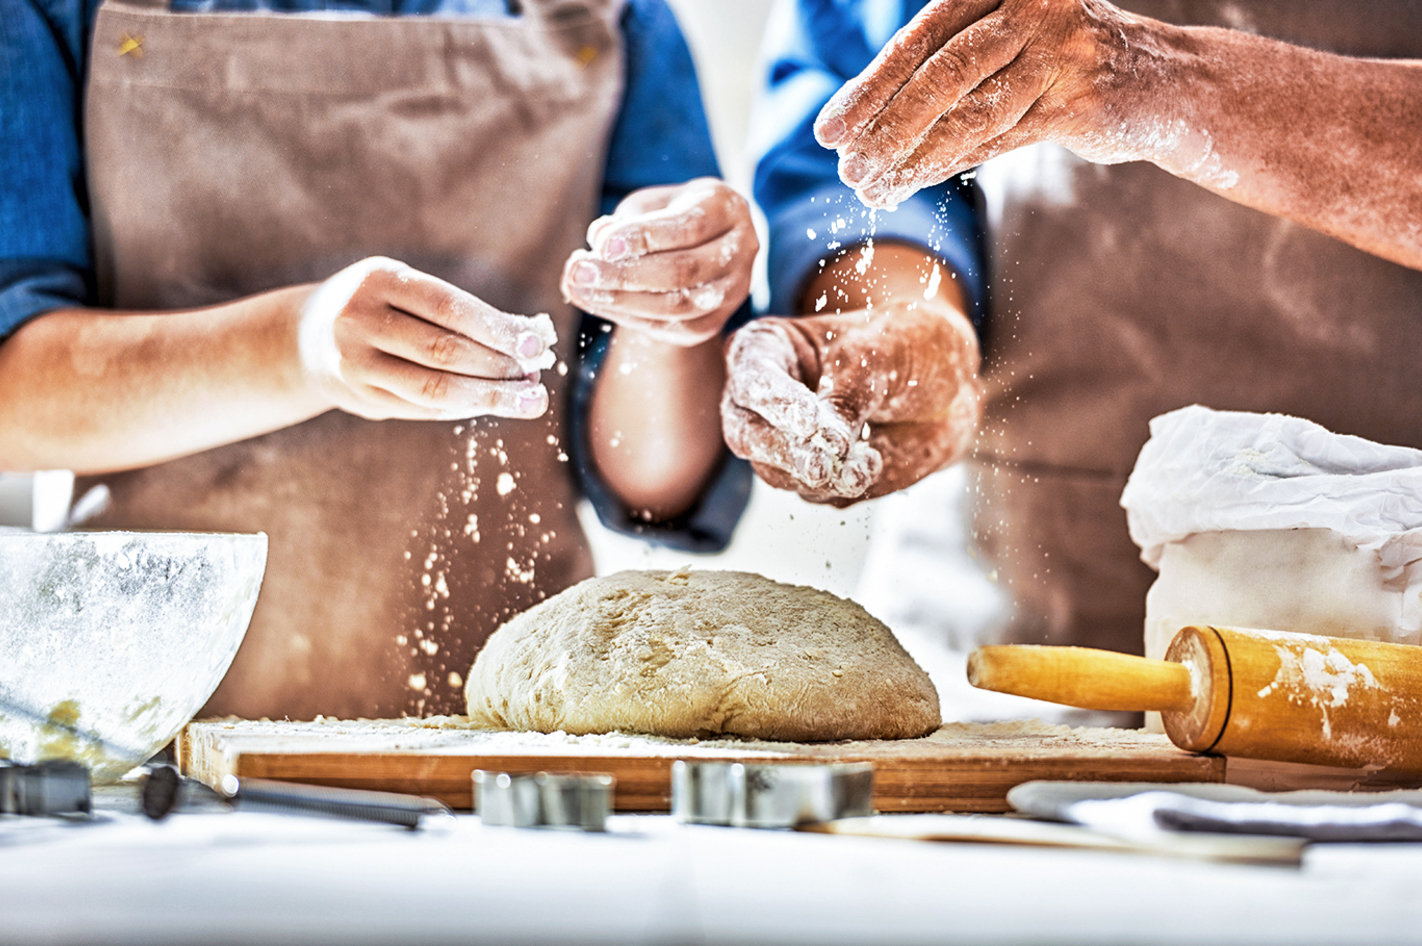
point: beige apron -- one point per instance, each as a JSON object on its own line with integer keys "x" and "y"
{"x": 243, "y": 152}
{"x": 1122, "y": 292}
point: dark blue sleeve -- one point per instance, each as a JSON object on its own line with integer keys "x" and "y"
{"x": 660, "y": 137}
{"x": 813, "y": 47}
{"x": 44, "y": 228}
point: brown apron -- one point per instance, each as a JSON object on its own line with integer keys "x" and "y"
{"x": 1121, "y": 292}
{"x": 242, "y": 152}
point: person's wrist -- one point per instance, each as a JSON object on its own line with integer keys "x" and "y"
{"x": 660, "y": 346}
{"x": 949, "y": 307}
{"x": 1192, "y": 80}
{"x": 1144, "y": 108}
{"x": 308, "y": 385}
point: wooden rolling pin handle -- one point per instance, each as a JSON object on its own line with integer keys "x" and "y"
{"x": 1082, "y": 677}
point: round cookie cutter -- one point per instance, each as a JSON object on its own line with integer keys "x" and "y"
{"x": 743, "y": 795}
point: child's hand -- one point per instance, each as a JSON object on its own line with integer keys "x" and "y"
{"x": 382, "y": 340}
{"x": 673, "y": 262}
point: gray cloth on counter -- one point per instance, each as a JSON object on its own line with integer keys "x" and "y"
{"x": 1226, "y": 809}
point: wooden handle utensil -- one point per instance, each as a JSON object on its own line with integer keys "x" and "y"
{"x": 1236, "y": 692}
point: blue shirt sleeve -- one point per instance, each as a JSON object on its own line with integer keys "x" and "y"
{"x": 660, "y": 137}
{"x": 813, "y": 48}
{"x": 44, "y": 227}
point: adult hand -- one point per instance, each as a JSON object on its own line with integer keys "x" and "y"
{"x": 382, "y": 340}
{"x": 966, "y": 80}
{"x": 846, "y": 407}
{"x": 673, "y": 262}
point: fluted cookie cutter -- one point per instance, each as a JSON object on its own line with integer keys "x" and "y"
{"x": 747, "y": 795}
{"x": 543, "y": 800}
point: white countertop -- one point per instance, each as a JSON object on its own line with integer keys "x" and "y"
{"x": 258, "y": 878}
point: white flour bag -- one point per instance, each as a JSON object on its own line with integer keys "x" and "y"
{"x": 1270, "y": 521}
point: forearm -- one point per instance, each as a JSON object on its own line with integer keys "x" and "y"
{"x": 1330, "y": 142}
{"x": 654, "y": 426}
{"x": 889, "y": 273}
{"x": 96, "y": 391}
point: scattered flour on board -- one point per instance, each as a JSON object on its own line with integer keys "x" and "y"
{"x": 1025, "y": 737}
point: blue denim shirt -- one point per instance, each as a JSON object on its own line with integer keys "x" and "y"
{"x": 814, "y": 47}
{"x": 660, "y": 137}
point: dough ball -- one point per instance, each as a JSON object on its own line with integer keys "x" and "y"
{"x": 698, "y": 653}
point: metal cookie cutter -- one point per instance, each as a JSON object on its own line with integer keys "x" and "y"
{"x": 543, "y": 800}
{"x": 770, "y": 796}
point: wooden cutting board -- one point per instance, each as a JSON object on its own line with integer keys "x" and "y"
{"x": 962, "y": 767}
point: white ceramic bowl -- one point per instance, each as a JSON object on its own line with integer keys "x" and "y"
{"x": 120, "y": 636}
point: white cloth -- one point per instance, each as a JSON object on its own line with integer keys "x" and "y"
{"x": 1216, "y": 471}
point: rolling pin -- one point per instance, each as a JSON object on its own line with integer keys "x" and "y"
{"x": 1248, "y": 693}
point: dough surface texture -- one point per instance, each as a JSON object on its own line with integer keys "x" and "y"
{"x": 699, "y": 653}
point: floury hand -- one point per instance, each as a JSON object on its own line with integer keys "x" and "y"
{"x": 1266, "y": 124}
{"x": 383, "y": 340}
{"x": 970, "y": 79}
{"x": 673, "y": 263}
{"x": 851, "y": 406}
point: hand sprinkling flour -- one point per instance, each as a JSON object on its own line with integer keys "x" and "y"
{"x": 672, "y": 262}
{"x": 383, "y": 340}
{"x": 1264, "y": 123}
{"x": 964, "y": 82}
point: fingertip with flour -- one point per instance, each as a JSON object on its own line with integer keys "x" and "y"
{"x": 533, "y": 349}
{"x": 830, "y": 129}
